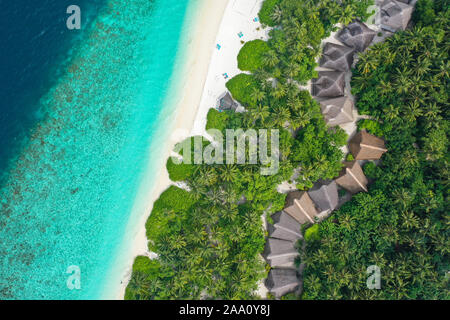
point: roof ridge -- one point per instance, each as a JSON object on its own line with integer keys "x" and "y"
{"x": 304, "y": 211}
{"x": 286, "y": 229}
{"x": 373, "y": 147}
{"x": 356, "y": 179}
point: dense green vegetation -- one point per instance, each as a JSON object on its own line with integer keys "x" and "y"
{"x": 216, "y": 120}
{"x": 251, "y": 55}
{"x": 209, "y": 239}
{"x": 267, "y": 11}
{"x": 241, "y": 88}
{"x": 402, "y": 223}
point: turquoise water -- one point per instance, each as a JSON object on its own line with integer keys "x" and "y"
{"x": 68, "y": 197}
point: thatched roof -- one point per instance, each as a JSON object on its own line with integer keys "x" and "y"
{"x": 325, "y": 195}
{"x": 280, "y": 252}
{"x": 336, "y": 57}
{"x": 410, "y": 2}
{"x": 395, "y": 15}
{"x": 300, "y": 206}
{"x": 337, "y": 110}
{"x": 365, "y": 146}
{"x": 284, "y": 227}
{"x": 227, "y": 102}
{"x": 356, "y": 35}
{"x": 352, "y": 178}
{"x": 282, "y": 281}
{"x": 329, "y": 84}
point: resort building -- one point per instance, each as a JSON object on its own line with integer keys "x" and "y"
{"x": 337, "y": 110}
{"x": 329, "y": 84}
{"x": 282, "y": 281}
{"x": 226, "y": 102}
{"x": 280, "y": 253}
{"x": 395, "y": 15}
{"x": 325, "y": 196}
{"x": 365, "y": 146}
{"x": 336, "y": 57}
{"x": 356, "y": 35}
{"x": 352, "y": 178}
{"x": 284, "y": 227}
{"x": 300, "y": 206}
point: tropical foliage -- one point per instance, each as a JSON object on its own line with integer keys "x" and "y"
{"x": 402, "y": 224}
{"x": 250, "y": 58}
{"x": 209, "y": 236}
{"x": 267, "y": 11}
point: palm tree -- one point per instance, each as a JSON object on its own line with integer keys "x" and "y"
{"x": 257, "y": 95}
{"x": 299, "y": 119}
{"x": 347, "y": 15}
{"x": 279, "y": 91}
{"x": 139, "y": 284}
{"x": 391, "y": 112}
{"x": 270, "y": 58}
{"x": 228, "y": 172}
{"x": 260, "y": 113}
{"x": 367, "y": 63}
{"x": 280, "y": 116}
{"x": 277, "y": 14}
{"x": 197, "y": 188}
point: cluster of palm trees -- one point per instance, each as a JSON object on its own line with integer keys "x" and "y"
{"x": 402, "y": 224}
{"x": 212, "y": 248}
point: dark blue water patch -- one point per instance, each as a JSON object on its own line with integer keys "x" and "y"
{"x": 35, "y": 46}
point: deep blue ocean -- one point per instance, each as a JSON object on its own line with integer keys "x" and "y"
{"x": 34, "y": 45}
{"x": 83, "y": 118}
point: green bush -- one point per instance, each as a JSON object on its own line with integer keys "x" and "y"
{"x": 216, "y": 120}
{"x": 241, "y": 87}
{"x": 290, "y": 296}
{"x": 179, "y": 172}
{"x": 265, "y": 14}
{"x": 168, "y": 211}
{"x": 370, "y": 170}
{"x": 145, "y": 265}
{"x": 342, "y": 193}
{"x": 145, "y": 268}
{"x": 350, "y": 157}
{"x": 424, "y": 13}
{"x": 250, "y": 57}
{"x": 372, "y": 127}
{"x": 312, "y": 233}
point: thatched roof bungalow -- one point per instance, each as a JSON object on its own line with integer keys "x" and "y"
{"x": 282, "y": 281}
{"x": 300, "y": 206}
{"x": 356, "y": 35}
{"x": 337, "y": 57}
{"x": 280, "y": 253}
{"x": 284, "y": 227}
{"x": 325, "y": 195}
{"x": 337, "y": 111}
{"x": 352, "y": 178}
{"x": 395, "y": 15}
{"x": 329, "y": 84}
{"x": 365, "y": 146}
{"x": 226, "y": 102}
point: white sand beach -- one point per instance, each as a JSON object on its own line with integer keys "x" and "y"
{"x": 216, "y": 22}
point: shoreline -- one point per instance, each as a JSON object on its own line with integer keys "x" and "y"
{"x": 195, "y": 62}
